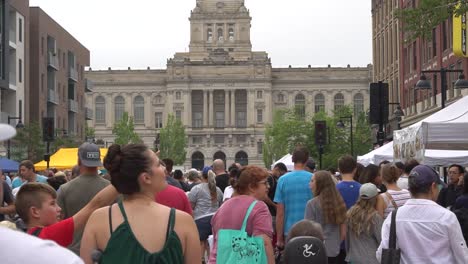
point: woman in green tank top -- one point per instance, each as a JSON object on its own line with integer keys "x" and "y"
{"x": 137, "y": 229}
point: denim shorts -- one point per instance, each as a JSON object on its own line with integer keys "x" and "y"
{"x": 204, "y": 227}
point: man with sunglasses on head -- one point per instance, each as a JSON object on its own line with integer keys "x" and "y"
{"x": 449, "y": 194}
{"x": 425, "y": 231}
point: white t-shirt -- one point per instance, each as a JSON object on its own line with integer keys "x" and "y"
{"x": 17, "y": 247}
{"x": 228, "y": 193}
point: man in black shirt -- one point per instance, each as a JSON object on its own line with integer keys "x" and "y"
{"x": 449, "y": 194}
{"x": 222, "y": 178}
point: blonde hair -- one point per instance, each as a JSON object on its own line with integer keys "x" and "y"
{"x": 212, "y": 186}
{"x": 331, "y": 202}
{"x": 360, "y": 216}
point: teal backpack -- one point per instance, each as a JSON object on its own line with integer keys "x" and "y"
{"x": 236, "y": 246}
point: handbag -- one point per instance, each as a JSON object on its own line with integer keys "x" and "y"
{"x": 236, "y": 246}
{"x": 392, "y": 255}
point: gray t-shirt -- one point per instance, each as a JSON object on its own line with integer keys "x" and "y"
{"x": 200, "y": 197}
{"x": 74, "y": 195}
{"x": 331, "y": 232}
{"x": 361, "y": 249}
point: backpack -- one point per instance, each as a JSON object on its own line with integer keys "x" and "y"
{"x": 236, "y": 246}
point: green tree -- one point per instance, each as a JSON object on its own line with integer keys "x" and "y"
{"x": 89, "y": 131}
{"x": 124, "y": 130}
{"x": 28, "y": 143}
{"x": 420, "y": 20}
{"x": 289, "y": 130}
{"x": 172, "y": 141}
{"x": 63, "y": 141}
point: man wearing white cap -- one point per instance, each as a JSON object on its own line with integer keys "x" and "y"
{"x": 18, "y": 247}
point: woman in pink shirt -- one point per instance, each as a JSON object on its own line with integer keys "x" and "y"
{"x": 252, "y": 185}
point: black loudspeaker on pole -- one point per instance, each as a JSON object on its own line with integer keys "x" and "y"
{"x": 378, "y": 113}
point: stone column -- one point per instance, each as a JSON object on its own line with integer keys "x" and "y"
{"x": 250, "y": 108}
{"x": 233, "y": 108}
{"x": 148, "y": 109}
{"x": 211, "y": 110}
{"x": 205, "y": 109}
{"x": 188, "y": 109}
{"x": 109, "y": 110}
{"x": 226, "y": 108}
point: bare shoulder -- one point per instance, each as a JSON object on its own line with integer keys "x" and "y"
{"x": 183, "y": 218}
{"x": 98, "y": 216}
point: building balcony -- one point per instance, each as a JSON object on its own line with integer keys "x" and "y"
{"x": 89, "y": 85}
{"x": 52, "y": 97}
{"x": 89, "y": 114}
{"x": 52, "y": 60}
{"x": 72, "y": 106}
{"x": 73, "y": 74}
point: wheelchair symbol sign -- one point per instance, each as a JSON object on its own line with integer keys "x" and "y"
{"x": 308, "y": 251}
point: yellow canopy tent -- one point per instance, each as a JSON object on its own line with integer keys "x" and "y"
{"x": 64, "y": 158}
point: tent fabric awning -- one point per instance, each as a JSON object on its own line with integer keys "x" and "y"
{"x": 287, "y": 160}
{"x": 8, "y": 165}
{"x": 64, "y": 158}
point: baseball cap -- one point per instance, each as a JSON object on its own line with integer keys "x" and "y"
{"x": 206, "y": 169}
{"x": 368, "y": 191}
{"x": 90, "y": 155}
{"x": 424, "y": 175}
{"x": 6, "y": 132}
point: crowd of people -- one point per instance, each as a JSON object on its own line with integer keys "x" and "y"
{"x": 143, "y": 211}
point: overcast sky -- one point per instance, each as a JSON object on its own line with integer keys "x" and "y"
{"x": 141, "y": 33}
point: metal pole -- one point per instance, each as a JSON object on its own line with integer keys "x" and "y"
{"x": 443, "y": 91}
{"x": 320, "y": 155}
{"x": 48, "y": 149}
{"x": 8, "y": 142}
{"x": 352, "y": 143}
{"x": 380, "y": 133}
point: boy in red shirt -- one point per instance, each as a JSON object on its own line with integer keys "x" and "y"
{"x": 36, "y": 204}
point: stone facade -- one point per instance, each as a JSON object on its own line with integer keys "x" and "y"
{"x": 223, "y": 92}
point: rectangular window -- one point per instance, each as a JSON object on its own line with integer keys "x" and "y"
{"x": 20, "y": 30}
{"x": 20, "y": 70}
{"x": 219, "y": 139}
{"x": 219, "y": 120}
{"x": 259, "y": 115}
{"x": 197, "y": 140}
{"x": 259, "y": 94}
{"x": 178, "y": 115}
{"x": 158, "y": 118}
{"x": 197, "y": 121}
{"x": 260, "y": 148}
{"x": 241, "y": 119}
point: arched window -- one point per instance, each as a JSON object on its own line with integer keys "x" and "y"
{"x": 231, "y": 34}
{"x": 338, "y": 101}
{"x": 358, "y": 104}
{"x": 220, "y": 35}
{"x": 319, "y": 102}
{"x": 198, "y": 160}
{"x": 209, "y": 35}
{"x": 280, "y": 98}
{"x": 119, "y": 108}
{"x": 299, "y": 104}
{"x": 242, "y": 158}
{"x": 139, "y": 109}
{"x": 100, "y": 110}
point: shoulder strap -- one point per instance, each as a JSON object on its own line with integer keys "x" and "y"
{"x": 170, "y": 222}
{"x": 110, "y": 219}
{"x": 392, "y": 243}
{"x": 37, "y": 232}
{"x": 122, "y": 210}
{"x": 391, "y": 200}
{"x": 244, "y": 223}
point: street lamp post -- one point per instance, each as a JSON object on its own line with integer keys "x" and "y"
{"x": 18, "y": 125}
{"x": 398, "y": 113}
{"x": 340, "y": 124}
{"x": 424, "y": 84}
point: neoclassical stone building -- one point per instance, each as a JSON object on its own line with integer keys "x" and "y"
{"x": 223, "y": 92}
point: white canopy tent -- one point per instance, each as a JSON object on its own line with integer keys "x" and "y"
{"x": 287, "y": 160}
{"x": 445, "y": 129}
{"x": 432, "y": 157}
